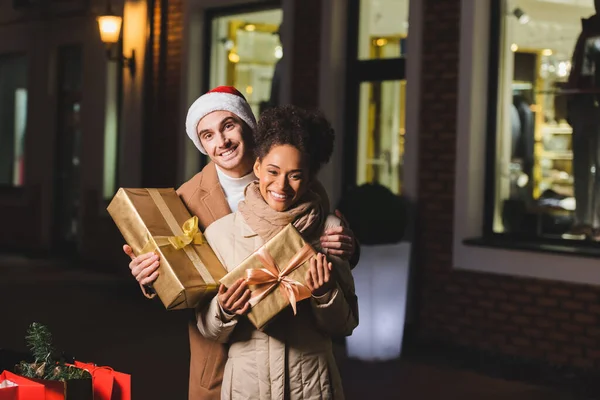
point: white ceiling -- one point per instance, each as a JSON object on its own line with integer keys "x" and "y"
{"x": 258, "y": 17}
{"x": 554, "y": 24}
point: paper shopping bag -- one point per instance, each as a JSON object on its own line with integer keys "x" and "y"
{"x": 16, "y": 387}
{"x": 74, "y": 389}
{"x": 108, "y": 384}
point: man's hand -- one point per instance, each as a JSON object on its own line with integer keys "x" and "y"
{"x": 235, "y": 299}
{"x": 143, "y": 267}
{"x": 339, "y": 241}
{"x": 318, "y": 277}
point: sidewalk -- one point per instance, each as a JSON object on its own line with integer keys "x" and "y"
{"x": 105, "y": 319}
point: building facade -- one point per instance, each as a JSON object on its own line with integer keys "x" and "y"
{"x": 423, "y": 95}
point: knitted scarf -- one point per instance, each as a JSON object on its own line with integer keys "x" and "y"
{"x": 307, "y": 215}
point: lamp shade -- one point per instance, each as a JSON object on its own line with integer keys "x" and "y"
{"x": 110, "y": 28}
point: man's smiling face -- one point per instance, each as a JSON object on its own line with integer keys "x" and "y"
{"x": 222, "y": 136}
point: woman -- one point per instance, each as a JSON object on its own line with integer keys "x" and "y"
{"x": 292, "y": 358}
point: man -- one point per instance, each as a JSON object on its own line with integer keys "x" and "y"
{"x": 221, "y": 125}
{"x": 584, "y": 117}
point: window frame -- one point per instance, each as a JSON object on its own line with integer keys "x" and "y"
{"x": 210, "y": 14}
{"x": 8, "y": 187}
{"x": 501, "y": 239}
{"x": 475, "y": 105}
{"x": 360, "y": 71}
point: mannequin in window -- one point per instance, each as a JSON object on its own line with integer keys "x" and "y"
{"x": 584, "y": 117}
{"x": 522, "y": 130}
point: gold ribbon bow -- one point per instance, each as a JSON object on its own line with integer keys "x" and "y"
{"x": 191, "y": 234}
{"x": 268, "y": 278}
{"x": 184, "y": 235}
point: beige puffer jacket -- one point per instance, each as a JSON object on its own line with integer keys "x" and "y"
{"x": 292, "y": 359}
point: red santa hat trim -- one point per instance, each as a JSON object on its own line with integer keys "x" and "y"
{"x": 222, "y": 98}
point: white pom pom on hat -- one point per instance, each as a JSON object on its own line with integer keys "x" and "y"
{"x": 222, "y": 98}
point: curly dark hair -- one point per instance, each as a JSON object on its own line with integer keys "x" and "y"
{"x": 307, "y": 130}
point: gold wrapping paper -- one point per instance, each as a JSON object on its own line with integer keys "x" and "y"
{"x": 287, "y": 251}
{"x": 157, "y": 220}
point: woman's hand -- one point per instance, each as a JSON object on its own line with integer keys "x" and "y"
{"x": 318, "y": 276}
{"x": 235, "y": 299}
{"x": 339, "y": 241}
{"x": 143, "y": 267}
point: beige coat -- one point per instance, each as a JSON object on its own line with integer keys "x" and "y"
{"x": 293, "y": 358}
{"x": 204, "y": 198}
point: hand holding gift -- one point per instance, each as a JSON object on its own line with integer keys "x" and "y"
{"x": 235, "y": 299}
{"x": 144, "y": 267}
{"x": 276, "y": 274}
{"x": 184, "y": 270}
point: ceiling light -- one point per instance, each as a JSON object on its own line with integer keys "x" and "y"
{"x": 521, "y": 15}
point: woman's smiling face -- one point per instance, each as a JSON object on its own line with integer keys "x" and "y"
{"x": 283, "y": 175}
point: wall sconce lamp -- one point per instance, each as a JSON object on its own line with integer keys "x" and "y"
{"x": 521, "y": 15}
{"x": 110, "y": 31}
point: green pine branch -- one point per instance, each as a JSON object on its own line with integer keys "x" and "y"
{"x": 39, "y": 341}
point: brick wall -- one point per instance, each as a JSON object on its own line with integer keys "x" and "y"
{"x": 307, "y": 53}
{"x": 549, "y": 321}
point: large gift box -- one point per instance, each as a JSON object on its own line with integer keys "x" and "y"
{"x": 157, "y": 220}
{"x": 275, "y": 274}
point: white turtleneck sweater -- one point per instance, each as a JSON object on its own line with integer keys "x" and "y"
{"x": 234, "y": 187}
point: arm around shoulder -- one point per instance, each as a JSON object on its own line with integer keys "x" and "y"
{"x": 337, "y": 313}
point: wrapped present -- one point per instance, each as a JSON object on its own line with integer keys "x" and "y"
{"x": 157, "y": 220}
{"x": 275, "y": 274}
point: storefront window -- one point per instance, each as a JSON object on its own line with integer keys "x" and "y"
{"x": 383, "y": 29}
{"x": 376, "y": 93}
{"x": 13, "y": 119}
{"x": 548, "y": 126}
{"x": 246, "y": 52}
{"x": 111, "y": 130}
{"x": 381, "y": 133}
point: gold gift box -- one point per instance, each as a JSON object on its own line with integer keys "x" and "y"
{"x": 275, "y": 274}
{"x": 157, "y": 220}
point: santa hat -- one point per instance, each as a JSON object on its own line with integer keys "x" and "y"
{"x": 222, "y": 98}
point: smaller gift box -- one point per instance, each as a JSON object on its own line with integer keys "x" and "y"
{"x": 157, "y": 220}
{"x": 275, "y": 274}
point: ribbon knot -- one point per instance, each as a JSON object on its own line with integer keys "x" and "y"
{"x": 268, "y": 278}
{"x": 191, "y": 235}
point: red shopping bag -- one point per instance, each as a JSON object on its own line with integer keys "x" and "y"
{"x": 108, "y": 384}
{"x": 16, "y": 387}
{"x": 75, "y": 389}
